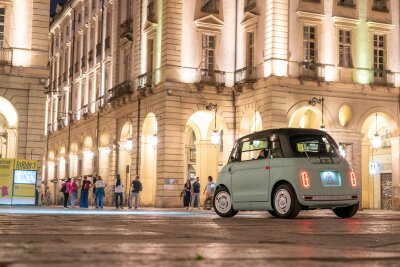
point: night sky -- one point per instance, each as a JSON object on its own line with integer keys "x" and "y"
{"x": 53, "y": 4}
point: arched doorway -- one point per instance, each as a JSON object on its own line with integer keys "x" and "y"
{"x": 125, "y": 156}
{"x": 202, "y": 153}
{"x": 148, "y": 160}
{"x": 380, "y": 146}
{"x": 251, "y": 122}
{"x": 8, "y": 129}
{"x": 308, "y": 117}
{"x": 87, "y": 151}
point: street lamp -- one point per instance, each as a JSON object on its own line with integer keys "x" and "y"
{"x": 215, "y": 135}
{"x": 129, "y": 142}
{"x": 376, "y": 141}
{"x": 315, "y": 101}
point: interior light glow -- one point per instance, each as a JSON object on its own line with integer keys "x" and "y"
{"x": 215, "y": 137}
{"x": 154, "y": 140}
{"x": 129, "y": 144}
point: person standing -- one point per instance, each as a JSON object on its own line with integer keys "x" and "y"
{"x": 100, "y": 192}
{"x": 209, "y": 190}
{"x": 74, "y": 189}
{"x": 66, "y": 189}
{"x": 187, "y": 193}
{"x": 86, "y": 184}
{"x": 135, "y": 194}
{"x": 118, "y": 192}
{"x": 196, "y": 193}
{"x": 94, "y": 180}
{"x": 47, "y": 195}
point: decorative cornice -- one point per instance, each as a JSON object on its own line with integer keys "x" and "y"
{"x": 249, "y": 21}
{"x": 209, "y": 23}
{"x": 346, "y": 22}
{"x": 310, "y": 17}
{"x": 150, "y": 28}
{"x": 380, "y": 27}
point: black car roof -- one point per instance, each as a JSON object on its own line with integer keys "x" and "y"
{"x": 284, "y": 131}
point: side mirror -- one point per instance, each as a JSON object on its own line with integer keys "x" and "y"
{"x": 233, "y": 159}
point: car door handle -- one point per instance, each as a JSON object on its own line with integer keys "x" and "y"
{"x": 230, "y": 169}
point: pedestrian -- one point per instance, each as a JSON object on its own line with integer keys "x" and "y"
{"x": 135, "y": 193}
{"x": 66, "y": 189}
{"x": 196, "y": 193}
{"x": 94, "y": 179}
{"x": 118, "y": 192}
{"x": 86, "y": 185}
{"x": 187, "y": 193}
{"x": 209, "y": 190}
{"x": 74, "y": 189}
{"x": 100, "y": 192}
{"x": 47, "y": 195}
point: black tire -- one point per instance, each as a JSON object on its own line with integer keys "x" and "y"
{"x": 285, "y": 203}
{"x": 223, "y": 203}
{"x": 272, "y": 213}
{"x": 346, "y": 212}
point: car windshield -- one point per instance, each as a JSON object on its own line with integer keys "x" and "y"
{"x": 318, "y": 148}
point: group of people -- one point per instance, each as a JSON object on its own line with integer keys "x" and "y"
{"x": 191, "y": 192}
{"x": 70, "y": 189}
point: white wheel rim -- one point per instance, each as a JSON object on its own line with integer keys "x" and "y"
{"x": 223, "y": 202}
{"x": 282, "y": 201}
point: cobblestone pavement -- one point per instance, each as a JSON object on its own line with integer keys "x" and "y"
{"x": 31, "y": 236}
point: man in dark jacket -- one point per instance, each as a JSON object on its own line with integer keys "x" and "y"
{"x": 196, "y": 193}
{"x": 136, "y": 188}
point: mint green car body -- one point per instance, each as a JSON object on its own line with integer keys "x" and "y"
{"x": 252, "y": 184}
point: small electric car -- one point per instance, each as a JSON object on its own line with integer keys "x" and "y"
{"x": 284, "y": 171}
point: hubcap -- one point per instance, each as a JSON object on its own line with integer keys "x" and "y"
{"x": 223, "y": 202}
{"x": 282, "y": 201}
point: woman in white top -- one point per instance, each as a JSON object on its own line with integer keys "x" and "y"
{"x": 100, "y": 193}
{"x": 118, "y": 192}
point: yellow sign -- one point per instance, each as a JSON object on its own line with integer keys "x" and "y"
{"x": 24, "y": 190}
{"x": 6, "y": 180}
{"x": 25, "y": 164}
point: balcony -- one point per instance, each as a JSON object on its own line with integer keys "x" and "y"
{"x": 311, "y": 71}
{"x": 98, "y": 49}
{"x": 125, "y": 88}
{"x": 6, "y": 56}
{"x": 211, "y": 77}
{"x": 100, "y": 103}
{"x": 60, "y": 123}
{"x": 126, "y": 29}
{"x": 85, "y": 111}
{"x": 210, "y": 6}
{"x": 145, "y": 80}
{"x": 49, "y": 128}
{"x": 250, "y": 4}
{"x": 76, "y": 66}
{"x": 245, "y": 75}
{"x": 380, "y": 6}
{"x": 347, "y": 3}
{"x": 151, "y": 11}
{"x": 70, "y": 72}
{"x": 383, "y": 77}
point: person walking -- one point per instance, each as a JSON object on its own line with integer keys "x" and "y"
{"x": 94, "y": 180}
{"x": 74, "y": 189}
{"x": 196, "y": 193}
{"x": 208, "y": 191}
{"x": 187, "y": 193}
{"x": 135, "y": 194}
{"x": 66, "y": 189}
{"x": 86, "y": 185}
{"x": 100, "y": 192}
{"x": 118, "y": 192}
{"x": 47, "y": 195}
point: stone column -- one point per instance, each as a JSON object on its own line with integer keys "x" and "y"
{"x": 365, "y": 176}
{"x": 11, "y": 143}
{"x": 395, "y": 142}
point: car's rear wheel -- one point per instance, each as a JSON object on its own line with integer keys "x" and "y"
{"x": 223, "y": 203}
{"x": 285, "y": 203}
{"x": 346, "y": 212}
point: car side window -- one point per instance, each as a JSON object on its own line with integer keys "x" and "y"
{"x": 254, "y": 149}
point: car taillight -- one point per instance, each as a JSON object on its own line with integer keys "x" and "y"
{"x": 305, "y": 180}
{"x": 353, "y": 179}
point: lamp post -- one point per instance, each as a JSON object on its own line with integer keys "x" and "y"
{"x": 376, "y": 141}
{"x": 315, "y": 101}
{"x": 215, "y": 136}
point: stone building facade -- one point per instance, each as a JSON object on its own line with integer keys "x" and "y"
{"x": 23, "y": 72}
{"x": 145, "y": 87}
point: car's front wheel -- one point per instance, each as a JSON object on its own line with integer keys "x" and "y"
{"x": 285, "y": 202}
{"x": 346, "y": 212}
{"x": 223, "y": 203}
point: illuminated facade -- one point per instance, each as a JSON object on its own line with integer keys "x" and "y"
{"x": 23, "y": 72}
{"x": 162, "y": 88}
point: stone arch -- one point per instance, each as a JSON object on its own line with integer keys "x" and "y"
{"x": 8, "y": 129}
{"x": 251, "y": 121}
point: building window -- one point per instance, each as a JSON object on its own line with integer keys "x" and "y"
{"x": 309, "y": 44}
{"x": 380, "y": 5}
{"x": 347, "y": 3}
{"x": 345, "y": 49}
{"x": 2, "y": 18}
{"x": 209, "y": 6}
{"x": 151, "y": 11}
{"x": 250, "y": 4}
{"x": 250, "y": 52}
{"x": 208, "y": 54}
{"x": 379, "y": 55}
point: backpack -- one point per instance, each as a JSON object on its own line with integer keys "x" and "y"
{"x": 86, "y": 185}
{"x": 63, "y": 187}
